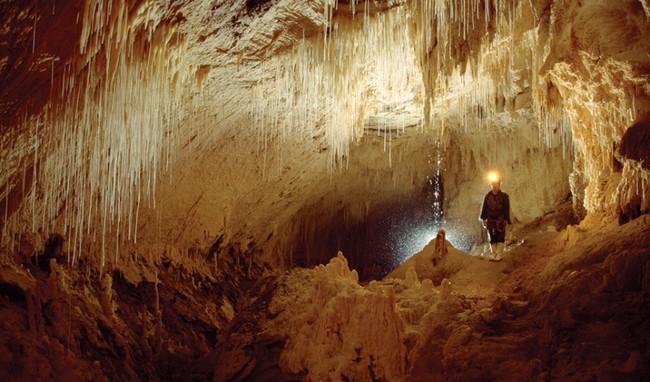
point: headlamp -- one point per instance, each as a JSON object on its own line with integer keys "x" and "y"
{"x": 494, "y": 177}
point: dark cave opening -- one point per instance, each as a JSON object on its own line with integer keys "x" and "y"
{"x": 388, "y": 236}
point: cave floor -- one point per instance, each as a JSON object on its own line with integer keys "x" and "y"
{"x": 563, "y": 304}
{"x": 567, "y": 302}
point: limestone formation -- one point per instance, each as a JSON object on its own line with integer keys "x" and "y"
{"x": 178, "y": 179}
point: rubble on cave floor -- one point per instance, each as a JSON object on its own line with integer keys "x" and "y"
{"x": 565, "y": 303}
{"x": 551, "y": 309}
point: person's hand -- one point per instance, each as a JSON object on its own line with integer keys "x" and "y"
{"x": 484, "y": 223}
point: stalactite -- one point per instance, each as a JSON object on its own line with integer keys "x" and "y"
{"x": 341, "y": 78}
{"x": 99, "y": 144}
{"x": 97, "y": 150}
{"x": 332, "y": 82}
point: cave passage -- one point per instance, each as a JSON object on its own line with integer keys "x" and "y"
{"x": 389, "y": 235}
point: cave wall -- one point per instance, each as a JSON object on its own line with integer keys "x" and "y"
{"x": 596, "y": 63}
{"x": 138, "y": 321}
{"x": 218, "y": 165}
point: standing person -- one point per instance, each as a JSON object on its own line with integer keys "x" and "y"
{"x": 495, "y": 215}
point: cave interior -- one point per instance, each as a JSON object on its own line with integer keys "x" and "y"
{"x": 289, "y": 190}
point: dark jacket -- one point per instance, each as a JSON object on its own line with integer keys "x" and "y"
{"x": 496, "y": 206}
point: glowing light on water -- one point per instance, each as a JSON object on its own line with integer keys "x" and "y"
{"x": 413, "y": 238}
{"x": 437, "y": 187}
{"x": 413, "y": 241}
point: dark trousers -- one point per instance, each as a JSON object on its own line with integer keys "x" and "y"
{"x": 496, "y": 230}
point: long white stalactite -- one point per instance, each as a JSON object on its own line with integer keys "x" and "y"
{"x": 330, "y": 84}
{"x": 97, "y": 153}
{"x": 317, "y": 78}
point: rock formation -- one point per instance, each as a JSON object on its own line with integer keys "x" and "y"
{"x": 175, "y": 173}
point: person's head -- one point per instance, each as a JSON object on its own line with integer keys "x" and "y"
{"x": 495, "y": 181}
